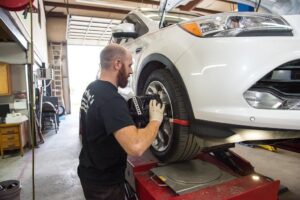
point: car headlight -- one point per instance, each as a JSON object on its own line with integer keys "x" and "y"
{"x": 238, "y": 24}
{"x": 267, "y": 100}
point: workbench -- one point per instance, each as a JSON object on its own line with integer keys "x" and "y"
{"x": 13, "y": 136}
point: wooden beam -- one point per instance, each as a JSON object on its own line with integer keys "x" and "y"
{"x": 143, "y": 1}
{"x": 206, "y": 10}
{"x": 228, "y": 1}
{"x": 151, "y": 2}
{"x": 191, "y": 5}
{"x": 84, "y": 7}
{"x": 87, "y": 14}
{"x": 117, "y": 10}
{"x": 56, "y": 14}
{"x": 49, "y": 11}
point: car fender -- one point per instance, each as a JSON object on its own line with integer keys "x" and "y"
{"x": 147, "y": 68}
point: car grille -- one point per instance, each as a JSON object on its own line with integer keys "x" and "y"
{"x": 284, "y": 80}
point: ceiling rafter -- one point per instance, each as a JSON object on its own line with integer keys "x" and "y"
{"x": 151, "y": 2}
{"x": 56, "y": 14}
{"x": 85, "y": 7}
{"x": 182, "y": 7}
{"x": 228, "y": 1}
{"x": 51, "y": 10}
{"x": 191, "y": 5}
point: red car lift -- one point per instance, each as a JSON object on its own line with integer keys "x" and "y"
{"x": 216, "y": 175}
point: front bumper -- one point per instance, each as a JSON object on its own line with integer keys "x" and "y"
{"x": 216, "y": 80}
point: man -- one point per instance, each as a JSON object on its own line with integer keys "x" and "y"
{"x": 108, "y": 132}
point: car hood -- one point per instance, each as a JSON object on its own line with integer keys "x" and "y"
{"x": 281, "y": 7}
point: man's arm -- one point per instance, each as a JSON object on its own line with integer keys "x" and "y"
{"x": 136, "y": 141}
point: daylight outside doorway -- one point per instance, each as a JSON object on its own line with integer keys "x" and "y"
{"x": 83, "y": 68}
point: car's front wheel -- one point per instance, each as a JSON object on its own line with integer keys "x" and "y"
{"x": 174, "y": 142}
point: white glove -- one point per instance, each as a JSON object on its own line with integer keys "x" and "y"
{"x": 156, "y": 111}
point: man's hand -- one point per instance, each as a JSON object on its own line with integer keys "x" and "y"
{"x": 136, "y": 141}
{"x": 156, "y": 111}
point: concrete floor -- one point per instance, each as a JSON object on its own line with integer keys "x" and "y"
{"x": 57, "y": 159}
{"x": 56, "y": 164}
{"x": 282, "y": 165}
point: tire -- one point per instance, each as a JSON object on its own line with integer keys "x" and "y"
{"x": 173, "y": 142}
{"x": 61, "y": 111}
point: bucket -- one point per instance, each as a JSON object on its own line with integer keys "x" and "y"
{"x": 10, "y": 190}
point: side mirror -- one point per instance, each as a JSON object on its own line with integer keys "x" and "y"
{"x": 125, "y": 30}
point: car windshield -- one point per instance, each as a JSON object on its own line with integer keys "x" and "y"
{"x": 171, "y": 17}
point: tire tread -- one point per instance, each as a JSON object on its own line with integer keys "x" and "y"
{"x": 187, "y": 145}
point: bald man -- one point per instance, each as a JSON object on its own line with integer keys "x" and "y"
{"x": 108, "y": 131}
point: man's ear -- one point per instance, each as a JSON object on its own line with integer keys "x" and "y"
{"x": 117, "y": 65}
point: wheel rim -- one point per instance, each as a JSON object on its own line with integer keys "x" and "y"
{"x": 165, "y": 133}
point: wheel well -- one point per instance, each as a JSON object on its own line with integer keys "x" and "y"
{"x": 154, "y": 65}
{"x": 147, "y": 70}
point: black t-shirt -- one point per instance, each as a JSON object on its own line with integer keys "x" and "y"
{"x": 103, "y": 111}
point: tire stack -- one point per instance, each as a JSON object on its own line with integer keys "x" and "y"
{"x": 10, "y": 190}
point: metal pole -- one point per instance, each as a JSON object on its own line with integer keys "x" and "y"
{"x": 31, "y": 98}
{"x": 162, "y": 18}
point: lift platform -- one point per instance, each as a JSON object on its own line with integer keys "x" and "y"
{"x": 216, "y": 175}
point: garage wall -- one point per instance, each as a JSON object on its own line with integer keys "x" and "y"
{"x": 39, "y": 29}
{"x": 56, "y": 29}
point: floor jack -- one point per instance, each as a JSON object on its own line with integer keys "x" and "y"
{"x": 214, "y": 175}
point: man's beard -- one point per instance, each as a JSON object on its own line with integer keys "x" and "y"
{"x": 122, "y": 77}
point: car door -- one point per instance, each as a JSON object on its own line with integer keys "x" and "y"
{"x": 136, "y": 47}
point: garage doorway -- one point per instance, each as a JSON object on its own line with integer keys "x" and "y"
{"x": 83, "y": 62}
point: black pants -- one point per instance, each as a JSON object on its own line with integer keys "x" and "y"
{"x": 101, "y": 192}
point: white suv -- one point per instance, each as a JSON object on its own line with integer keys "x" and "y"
{"x": 224, "y": 78}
